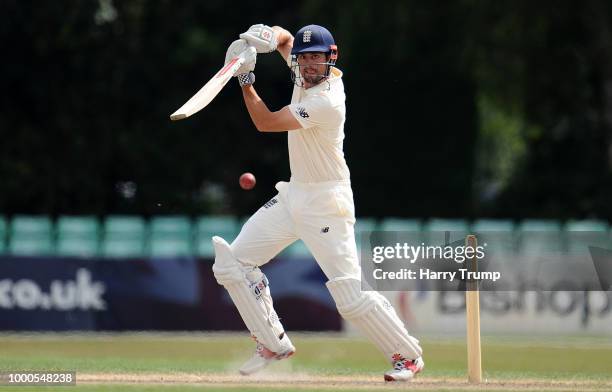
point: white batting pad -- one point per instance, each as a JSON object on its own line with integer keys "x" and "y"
{"x": 250, "y": 292}
{"x": 374, "y": 317}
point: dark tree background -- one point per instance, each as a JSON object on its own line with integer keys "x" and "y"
{"x": 458, "y": 109}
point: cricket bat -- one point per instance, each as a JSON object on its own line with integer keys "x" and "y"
{"x": 209, "y": 91}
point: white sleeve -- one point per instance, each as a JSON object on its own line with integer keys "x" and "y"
{"x": 315, "y": 110}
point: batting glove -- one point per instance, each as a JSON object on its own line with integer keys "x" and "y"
{"x": 239, "y": 48}
{"x": 262, "y": 37}
{"x": 245, "y": 73}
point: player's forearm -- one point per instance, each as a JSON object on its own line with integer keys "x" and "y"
{"x": 284, "y": 41}
{"x": 283, "y": 36}
{"x": 258, "y": 110}
{"x": 266, "y": 121}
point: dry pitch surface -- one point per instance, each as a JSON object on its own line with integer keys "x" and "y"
{"x": 301, "y": 382}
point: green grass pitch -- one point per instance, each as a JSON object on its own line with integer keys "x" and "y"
{"x": 329, "y": 362}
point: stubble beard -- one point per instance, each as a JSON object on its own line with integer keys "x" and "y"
{"x": 313, "y": 79}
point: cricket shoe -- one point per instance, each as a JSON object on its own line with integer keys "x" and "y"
{"x": 263, "y": 357}
{"x": 404, "y": 369}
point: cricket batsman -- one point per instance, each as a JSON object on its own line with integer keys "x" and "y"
{"x": 316, "y": 205}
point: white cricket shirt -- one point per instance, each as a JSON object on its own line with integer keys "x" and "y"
{"x": 316, "y": 150}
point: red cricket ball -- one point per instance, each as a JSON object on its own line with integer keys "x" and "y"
{"x": 247, "y": 181}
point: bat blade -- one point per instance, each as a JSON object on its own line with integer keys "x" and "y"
{"x": 210, "y": 90}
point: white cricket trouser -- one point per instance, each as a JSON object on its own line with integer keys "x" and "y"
{"x": 320, "y": 214}
{"x": 323, "y": 216}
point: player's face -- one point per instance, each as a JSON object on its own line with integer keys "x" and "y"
{"x": 312, "y": 67}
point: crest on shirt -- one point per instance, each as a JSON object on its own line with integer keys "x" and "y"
{"x": 302, "y": 112}
{"x": 306, "y": 36}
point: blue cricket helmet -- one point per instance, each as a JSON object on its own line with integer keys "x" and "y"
{"x": 313, "y": 38}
